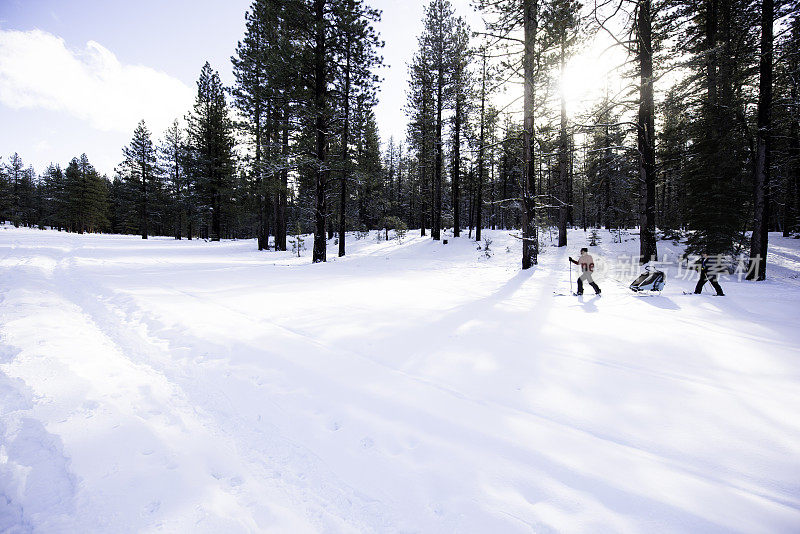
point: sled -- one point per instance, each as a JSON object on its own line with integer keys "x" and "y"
{"x": 649, "y": 281}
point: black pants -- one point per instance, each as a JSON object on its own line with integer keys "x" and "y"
{"x": 710, "y": 278}
{"x": 587, "y": 275}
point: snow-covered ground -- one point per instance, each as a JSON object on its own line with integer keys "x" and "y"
{"x": 417, "y": 387}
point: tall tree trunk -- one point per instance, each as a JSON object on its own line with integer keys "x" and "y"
{"x": 646, "y": 136}
{"x": 436, "y": 222}
{"x": 492, "y": 185}
{"x": 259, "y": 168}
{"x": 143, "y": 207}
{"x": 481, "y": 150}
{"x": 793, "y": 193}
{"x": 281, "y": 226}
{"x": 563, "y": 171}
{"x": 504, "y": 192}
{"x": 423, "y": 168}
{"x": 178, "y": 194}
{"x": 321, "y": 125}
{"x": 760, "y": 237}
{"x": 345, "y": 142}
{"x": 457, "y": 168}
{"x": 530, "y": 238}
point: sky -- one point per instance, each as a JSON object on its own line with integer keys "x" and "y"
{"x": 77, "y": 76}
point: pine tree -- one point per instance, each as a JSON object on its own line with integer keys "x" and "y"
{"x": 609, "y": 169}
{"x": 421, "y": 125}
{"x": 173, "y": 154}
{"x": 723, "y": 48}
{"x": 253, "y": 97}
{"x": 55, "y": 197}
{"x": 645, "y": 129}
{"x": 509, "y": 17}
{"x": 210, "y": 148}
{"x": 787, "y": 117}
{"x": 357, "y": 46}
{"x": 762, "y": 156}
{"x": 462, "y": 86}
{"x": 14, "y": 174}
{"x": 141, "y": 173}
{"x": 561, "y": 25}
{"x": 438, "y": 43}
{"x": 644, "y": 32}
{"x": 5, "y": 196}
{"x": 483, "y": 127}
{"x": 530, "y": 238}
{"x": 369, "y": 173}
{"x": 672, "y": 154}
{"x": 87, "y": 194}
{"x": 26, "y": 197}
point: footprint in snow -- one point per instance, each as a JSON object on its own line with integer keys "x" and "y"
{"x": 367, "y": 443}
{"x": 334, "y": 426}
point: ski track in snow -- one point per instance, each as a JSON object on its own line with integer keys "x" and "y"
{"x": 415, "y": 387}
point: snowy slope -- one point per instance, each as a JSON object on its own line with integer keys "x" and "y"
{"x": 415, "y": 387}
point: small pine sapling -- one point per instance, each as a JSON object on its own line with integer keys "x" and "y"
{"x": 594, "y": 237}
{"x": 486, "y": 250}
{"x": 298, "y": 243}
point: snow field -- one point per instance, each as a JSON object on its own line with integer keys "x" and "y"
{"x": 408, "y": 387}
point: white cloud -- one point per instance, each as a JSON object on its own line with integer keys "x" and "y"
{"x": 37, "y": 70}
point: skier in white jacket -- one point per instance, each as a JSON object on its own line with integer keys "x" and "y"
{"x": 586, "y": 263}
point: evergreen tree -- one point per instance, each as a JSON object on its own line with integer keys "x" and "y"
{"x": 672, "y": 154}
{"x": 173, "y": 155}
{"x": 438, "y": 48}
{"x": 357, "y": 46}
{"x": 56, "y": 202}
{"x": 369, "y": 173}
{"x": 510, "y": 17}
{"x": 26, "y": 197}
{"x": 462, "y": 87}
{"x": 422, "y": 121}
{"x": 14, "y": 177}
{"x": 87, "y": 194}
{"x": 787, "y": 122}
{"x": 609, "y": 170}
{"x": 762, "y": 156}
{"x": 256, "y": 76}
{"x": 5, "y": 197}
{"x": 645, "y": 130}
{"x": 719, "y": 37}
{"x": 141, "y": 173}
{"x": 561, "y": 22}
{"x": 210, "y": 161}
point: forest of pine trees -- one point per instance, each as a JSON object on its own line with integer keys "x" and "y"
{"x": 702, "y": 144}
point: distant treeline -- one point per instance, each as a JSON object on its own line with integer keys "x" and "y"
{"x": 712, "y": 154}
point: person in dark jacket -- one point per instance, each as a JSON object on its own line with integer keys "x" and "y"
{"x": 586, "y": 263}
{"x": 708, "y": 273}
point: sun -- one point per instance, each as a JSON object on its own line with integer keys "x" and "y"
{"x": 591, "y": 73}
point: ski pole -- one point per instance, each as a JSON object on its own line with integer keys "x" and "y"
{"x": 570, "y": 277}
